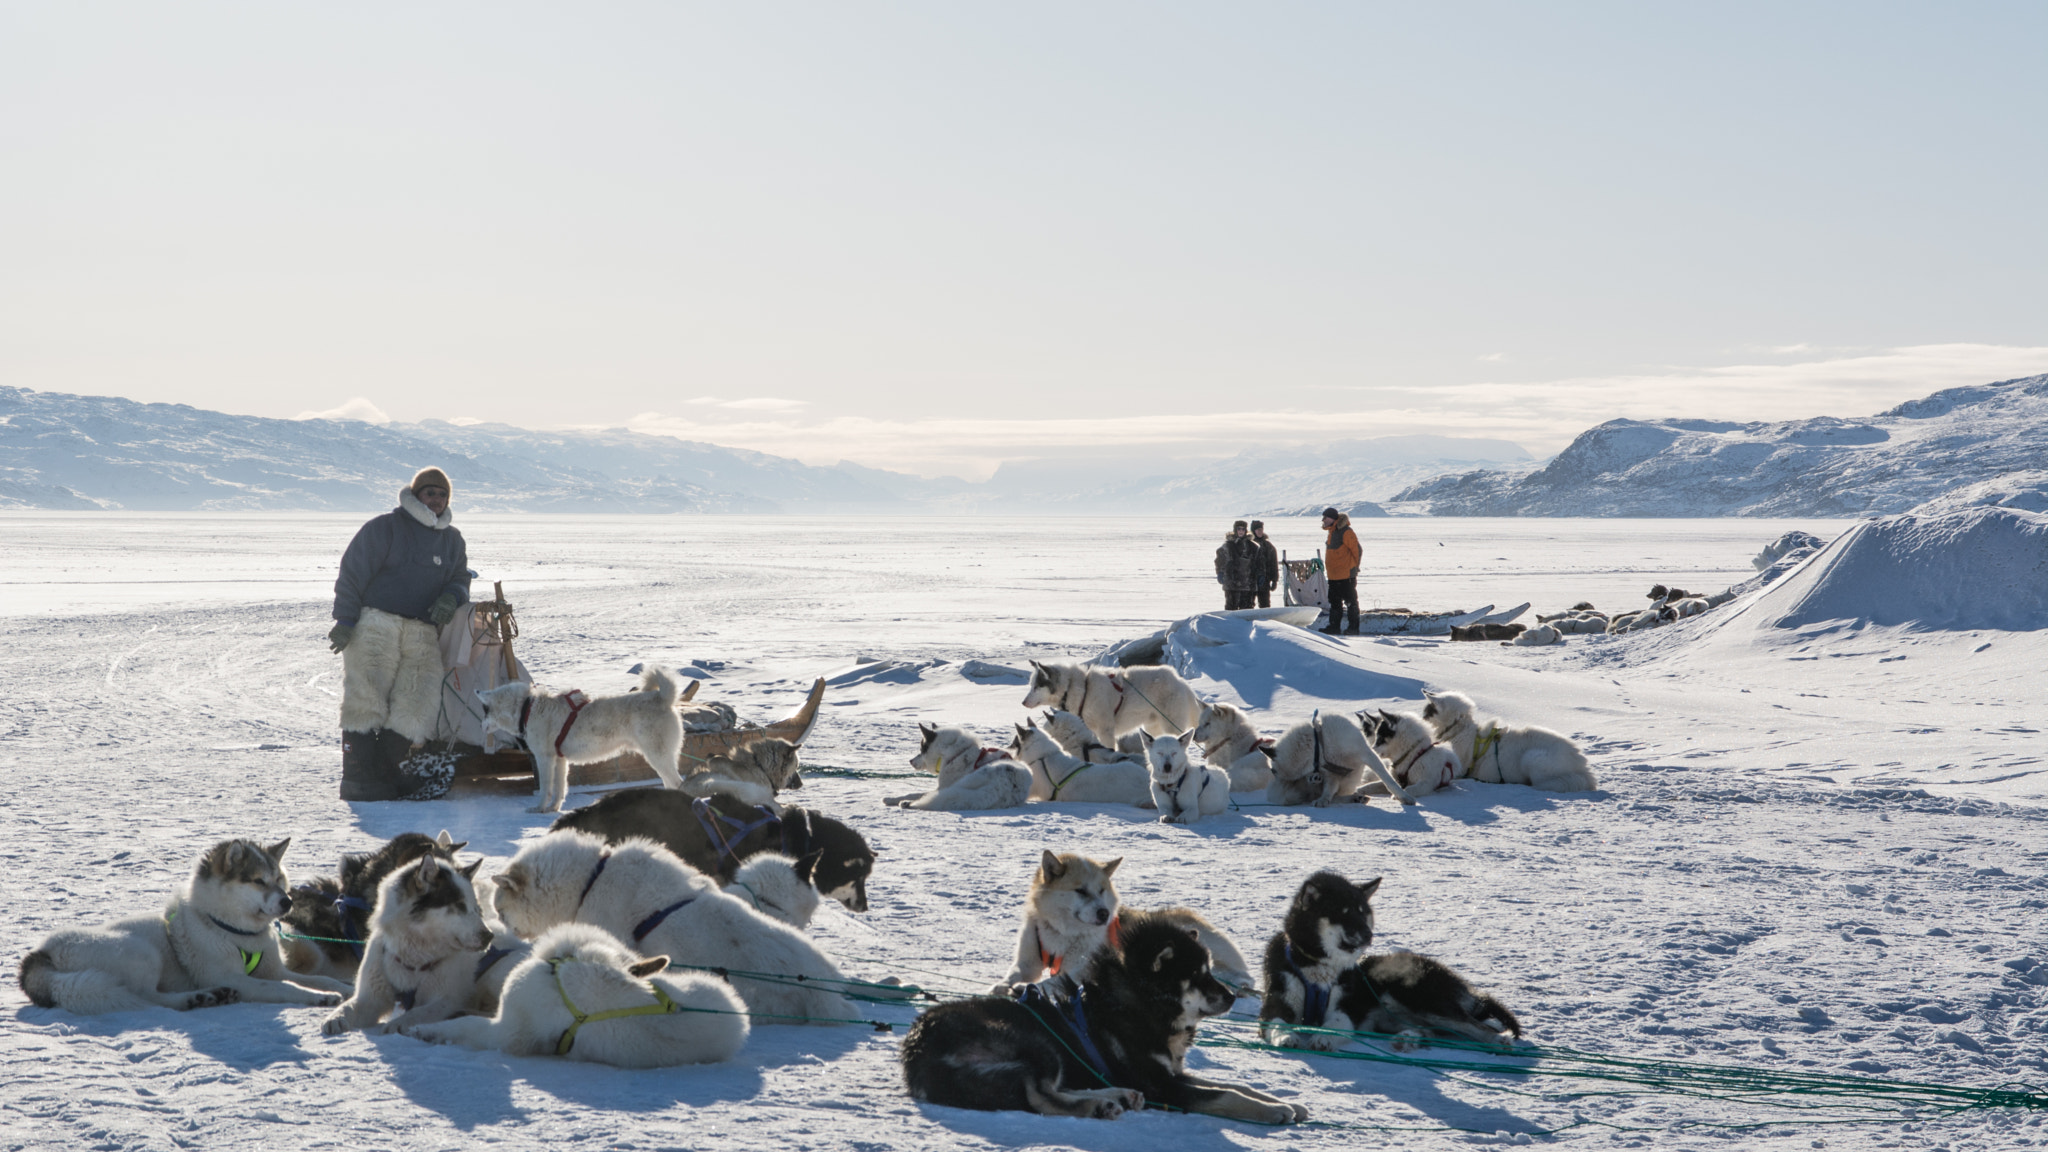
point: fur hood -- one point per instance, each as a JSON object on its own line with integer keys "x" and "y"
{"x": 418, "y": 511}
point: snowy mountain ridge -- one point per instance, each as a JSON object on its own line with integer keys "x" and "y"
{"x": 1823, "y": 466}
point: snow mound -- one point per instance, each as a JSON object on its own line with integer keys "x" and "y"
{"x": 1264, "y": 661}
{"x": 1940, "y": 567}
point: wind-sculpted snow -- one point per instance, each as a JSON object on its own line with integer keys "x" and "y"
{"x": 1819, "y": 467}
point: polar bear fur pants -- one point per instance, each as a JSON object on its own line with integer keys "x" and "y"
{"x": 391, "y": 676}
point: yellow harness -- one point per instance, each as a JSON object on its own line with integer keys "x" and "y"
{"x": 662, "y": 1006}
{"x": 1487, "y": 740}
{"x": 249, "y": 959}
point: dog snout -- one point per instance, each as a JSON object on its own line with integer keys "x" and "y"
{"x": 796, "y": 780}
{"x": 1101, "y": 915}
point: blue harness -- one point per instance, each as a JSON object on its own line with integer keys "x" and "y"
{"x": 733, "y": 831}
{"x": 641, "y": 929}
{"x": 1315, "y": 998}
{"x": 489, "y": 958}
{"x": 343, "y": 905}
{"x": 1068, "y": 1020}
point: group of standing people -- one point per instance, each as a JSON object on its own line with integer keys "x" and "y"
{"x": 1248, "y": 568}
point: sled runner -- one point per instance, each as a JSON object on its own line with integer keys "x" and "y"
{"x": 512, "y": 773}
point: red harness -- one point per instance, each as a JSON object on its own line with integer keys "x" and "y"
{"x": 990, "y": 756}
{"x": 1053, "y": 963}
{"x": 576, "y": 701}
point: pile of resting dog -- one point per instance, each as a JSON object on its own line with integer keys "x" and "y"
{"x": 656, "y": 926}
{"x": 1667, "y": 606}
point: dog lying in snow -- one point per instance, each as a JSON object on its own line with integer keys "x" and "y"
{"x": 1057, "y": 774}
{"x": 1183, "y": 792}
{"x": 425, "y": 944}
{"x": 1323, "y": 761}
{"x": 653, "y": 902}
{"x": 778, "y": 887}
{"x": 1076, "y": 740}
{"x": 1487, "y": 631}
{"x": 564, "y": 728}
{"x": 1499, "y": 754}
{"x": 1319, "y": 987}
{"x": 970, "y": 776}
{"x": 1537, "y": 637}
{"x": 212, "y": 944}
{"x": 1131, "y": 1019}
{"x": 1411, "y": 751}
{"x": 752, "y": 773}
{"x": 328, "y": 924}
{"x": 562, "y": 998}
{"x": 1113, "y": 701}
{"x": 1072, "y": 911}
{"x": 1230, "y": 742}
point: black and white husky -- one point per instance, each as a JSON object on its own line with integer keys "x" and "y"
{"x": 1109, "y": 1045}
{"x": 1319, "y": 989}
{"x": 212, "y": 944}
{"x": 426, "y": 947}
{"x": 1411, "y": 750}
{"x": 1323, "y": 761}
{"x": 328, "y": 925}
{"x": 1113, "y": 701}
{"x": 1499, "y": 754}
{"x": 564, "y": 728}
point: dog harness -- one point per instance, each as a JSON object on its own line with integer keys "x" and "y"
{"x": 603, "y": 858}
{"x": 641, "y": 929}
{"x": 653, "y": 921}
{"x": 1487, "y": 741}
{"x": 1114, "y": 935}
{"x": 343, "y": 905}
{"x": 576, "y": 701}
{"x": 991, "y": 755}
{"x": 407, "y": 997}
{"x": 728, "y": 837}
{"x": 662, "y": 1006}
{"x": 1062, "y": 781}
{"x": 1315, "y": 998}
{"x": 1067, "y": 1021}
{"x": 249, "y": 959}
{"x": 489, "y": 958}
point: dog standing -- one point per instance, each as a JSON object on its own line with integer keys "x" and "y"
{"x": 211, "y": 945}
{"x": 582, "y": 995}
{"x": 1231, "y": 743}
{"x": 328, "y": 924}
{"x": 970, "y": 776}
{"x": 425, "y": 945}
{"x": 1113, "y": 701}
{"x": 1071, "y": 911}
{"x": 653, "y": 902}
{"x": 1112, "y": 1044}
{"x": 752, "y": 773}
{"x": 1318, "y": 988}
{"x": 564, "y": 728}
{"x": 1323, "y": 761}
{"x": 1498, "y": 754}
{"x": 1411, "y": 750}
{"x": 1057, "y": 774}
{"x": 1182, "y": 792}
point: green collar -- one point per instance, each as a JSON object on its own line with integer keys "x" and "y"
{"x": 249, "y": 959}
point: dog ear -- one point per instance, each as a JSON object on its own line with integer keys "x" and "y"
{"x": 1159, "y": 961}
{"x": 512, "y": 880}
{"x": 1109, "y": 866}
{"x": 429, "y": 870}
{"x": 648, "y": 967}
{"x": 469, "y": 870}
{"x": 1371, "y": 886}
{"x": 807, "y": 864}
{"x": 1186, "y": 736}
{"x": 444, "y": 840}
{"x": 1050, "y": 867}
{"x": 276, "y": 851}
{"x": 1145, "y": 738}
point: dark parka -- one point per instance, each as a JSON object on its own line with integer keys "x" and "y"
{"x": 1269, "y": 565}
{"x": 1238, "y": 564}
{"x": 398, "y": 565}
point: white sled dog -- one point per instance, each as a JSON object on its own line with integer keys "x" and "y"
{"x": 752, "y": 773}
{"x": 643, "y": 894}
{"x": 1411, "y": 750}
{"x": 564, "y": 728}
{"x": 1076, "y": 740}
{"x": 425, "y": 944}
{"x": 778, "y": 887}
{"x": 1072, "y": 911}
{"x": 1113, "y": 701}
{"x": 583, "y": 995}
{"x": 1182, "y": 792}
{"x": 1326, "y": 768}
{"x": 1498, "y": 754}
{"x": 1057, "y": 774}
{"x": 1230, "y": 742}
{"x": 212, "y": 944}
{"x": 970, "y": 776}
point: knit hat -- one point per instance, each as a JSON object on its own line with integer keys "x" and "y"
{"x": 426, "y": 477}
{"x": 1331, "y": 513}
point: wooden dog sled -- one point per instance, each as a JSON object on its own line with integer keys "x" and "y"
{"x": 512, "y": 773}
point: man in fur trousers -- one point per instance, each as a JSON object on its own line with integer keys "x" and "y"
{"x": 404, "y": 575}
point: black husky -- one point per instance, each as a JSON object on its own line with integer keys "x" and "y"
{"x": 714, "y": 833}
{"x": 1315, "y": 979}
{"x": 1114, "y": 1044}
{"x": 329, "y": 920}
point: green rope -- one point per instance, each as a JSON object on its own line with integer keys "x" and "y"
{"x": 284, "y": 935}
{"x": 860, "y": 773}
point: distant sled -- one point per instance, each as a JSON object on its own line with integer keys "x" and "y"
{"x": 1431, "y": 623}
{"x": 1152, "y": 649}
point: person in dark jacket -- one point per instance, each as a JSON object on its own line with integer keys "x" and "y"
{"x": 1237, "y": 567}
{"x": 404, "y": 575}
{"x": 1269, "y": 565}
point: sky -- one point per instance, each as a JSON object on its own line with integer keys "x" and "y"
{"x": 933, "y": 237}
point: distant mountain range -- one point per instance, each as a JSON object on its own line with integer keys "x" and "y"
{"x": 60, "y": 451}
{"x": 1819, "y": 467}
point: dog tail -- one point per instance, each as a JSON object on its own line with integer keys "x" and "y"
{"x": 1490, "y": 1009}
{"x": 36, "y": 969}
{"x": 659, "y": 679}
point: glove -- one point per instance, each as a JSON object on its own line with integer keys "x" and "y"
{"x": 444, "y": 608}
{"x": 339, "y": 636}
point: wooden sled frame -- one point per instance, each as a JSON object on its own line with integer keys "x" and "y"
{"x": 512, "y": 773}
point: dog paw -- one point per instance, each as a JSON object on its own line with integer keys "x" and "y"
{"x": 328, "y": 999}
{"x": 334, "y": 1025}
{"x": 1408, "y": 1041}
{"x": 1296, "y": 1113}
{"x": 999, "y": 989}
{"x": 212, "y": 998}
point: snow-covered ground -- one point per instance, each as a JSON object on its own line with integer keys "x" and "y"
{"x": 1818, "y": 849}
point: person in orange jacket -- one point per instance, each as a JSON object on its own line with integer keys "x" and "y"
{"x": 1341, "y": 556}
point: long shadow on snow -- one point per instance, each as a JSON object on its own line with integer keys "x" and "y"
{"x": 493, "y": 825}
{"x": 243, "y": 1035}
{"x": 1472, "y": 802}
{"x": 1419, "y": 1088}
{"x": 1030, "y": 1130}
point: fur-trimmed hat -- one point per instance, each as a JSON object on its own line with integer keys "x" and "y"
{"x": 433, "y": 476}
{"x": 1236, "y": 524}
{"x": 1258, "y": 525}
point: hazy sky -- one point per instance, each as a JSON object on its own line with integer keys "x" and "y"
{"x": 931, "y": 236}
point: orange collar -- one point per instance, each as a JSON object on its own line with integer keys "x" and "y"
{"x": 1053, "y": 963}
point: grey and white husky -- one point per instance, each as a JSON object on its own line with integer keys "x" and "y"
{"x": 1076, "y": 739}
{"x": 1323, "y": 761}
{"x": 1113, "y": 701}
{"x": 970, "y": 776}
{"x": 1500, "y": 754}
{"x": 1182, "y": 791}
{"x": 752, "y": 773}
{"x": 1057, "y": 774}
{"x": 564, "y": 728}
{"x": 1230, "y": 742}
{"x": 584, "y": 995}
{"x": 212, "y": 944}
{"x": 1411, "y": 750}
{"x": 425, "y": 946}
{"x": 1072, "y": 910}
